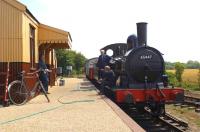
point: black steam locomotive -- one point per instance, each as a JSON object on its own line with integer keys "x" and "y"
{"x": 141, "y": 72}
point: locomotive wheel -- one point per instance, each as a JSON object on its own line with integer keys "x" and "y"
{"x": 140, "y": 107}
{"x": 158, "y": 110}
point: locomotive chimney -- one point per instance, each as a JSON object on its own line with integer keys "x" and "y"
{"x": 142, "y": 34}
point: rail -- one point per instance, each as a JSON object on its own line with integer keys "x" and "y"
{"x": 177, "y": 124}
{"x": 172, "y": 122}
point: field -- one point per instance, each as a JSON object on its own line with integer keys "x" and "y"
{"x": 189, "y": 75}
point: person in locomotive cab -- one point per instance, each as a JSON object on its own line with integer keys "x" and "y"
{"x": 108, "y": 79}
{"x": 103, "y": 61}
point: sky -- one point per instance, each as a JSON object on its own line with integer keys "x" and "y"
{"x": 173, "y": 25}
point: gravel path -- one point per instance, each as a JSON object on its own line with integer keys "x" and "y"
{"x": 71, "y": 110}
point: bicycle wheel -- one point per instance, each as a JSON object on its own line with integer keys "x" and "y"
{"x": 17, "y": 92}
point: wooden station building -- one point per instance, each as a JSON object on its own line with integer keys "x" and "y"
{"x": 23, "y": 38}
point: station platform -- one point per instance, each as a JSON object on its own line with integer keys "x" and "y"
{"x": 74, "y": 107}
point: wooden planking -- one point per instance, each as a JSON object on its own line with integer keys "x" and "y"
{"x": 50, "y": 35}
{"x": 10, "y": 33}
{"x": 15, "y": 69}
{"x": 26, "y": 38}
{"x": 10, "y": 22}
{"x": 11, "y": 50}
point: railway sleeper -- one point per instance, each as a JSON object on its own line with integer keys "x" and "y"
{"x": 174, "y": 119}
{"x": 197, "y": 110}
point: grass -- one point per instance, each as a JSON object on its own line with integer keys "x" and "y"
{"x": 189, "y": 75}
{"x": 190, "y": 79}
{"x": 198, "y": 123}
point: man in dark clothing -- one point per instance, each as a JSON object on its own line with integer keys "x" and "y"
{"x": 43, "y": 74}
{"x": 108, "y": 79}
{"x": 103, "y": 61}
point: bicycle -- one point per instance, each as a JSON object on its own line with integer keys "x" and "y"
{"x": 19, "y": 92}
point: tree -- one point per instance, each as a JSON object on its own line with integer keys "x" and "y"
{"x": 172, "y": 78}
{"x": 60, "y": 56}
{"x": 199, "y": 78}
{"x": 169, "y": 65}
{"x": 79, "y": 61}
{"x": 70, "y": 58}
{"x": 179, "y": 68}
{"x": 193, "y": 64}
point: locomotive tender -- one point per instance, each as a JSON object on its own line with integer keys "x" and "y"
{"x": 141, "y": 71}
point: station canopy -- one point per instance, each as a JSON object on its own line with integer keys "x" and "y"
{"x": 53, "y": 38}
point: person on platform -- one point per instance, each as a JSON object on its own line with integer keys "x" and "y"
{"x": 43, "y": 74}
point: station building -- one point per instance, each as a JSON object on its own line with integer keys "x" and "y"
{"x": 23, "y": 38}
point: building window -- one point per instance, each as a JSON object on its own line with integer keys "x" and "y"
{"x": 32, "y": 46}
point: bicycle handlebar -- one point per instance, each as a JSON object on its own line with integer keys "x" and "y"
{"x": 39, "y": 70}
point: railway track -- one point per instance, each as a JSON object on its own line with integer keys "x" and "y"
{"x": 174, "y": 123}
{"x": 192, "y": 100}
{"x": 165, "y": 123}
{"x": 191, "y": 103}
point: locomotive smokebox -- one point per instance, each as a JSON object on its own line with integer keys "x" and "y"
{"x": 142, "y": 34}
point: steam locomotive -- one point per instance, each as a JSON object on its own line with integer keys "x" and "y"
{"x": 141, "y": 71}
